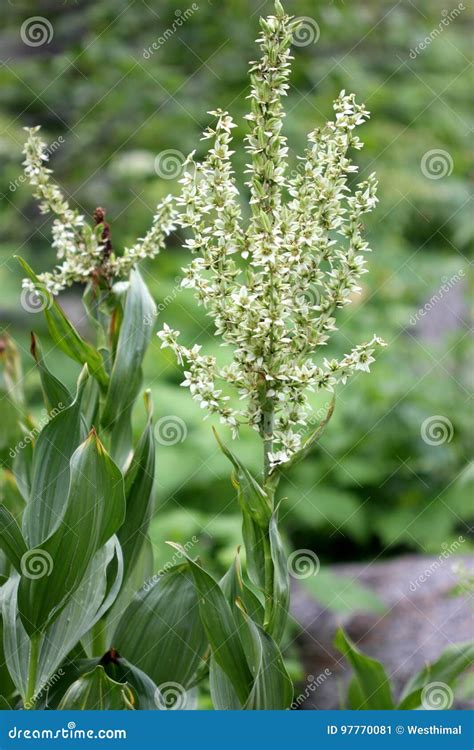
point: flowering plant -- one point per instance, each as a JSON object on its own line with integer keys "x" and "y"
{"x": 273, "y": 284}
{"x": 85, "y": 623}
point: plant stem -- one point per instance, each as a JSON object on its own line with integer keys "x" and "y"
{"x": 267, "y": 435}
{"x": 35, "y": 641}
{"x": 99, "y": 643}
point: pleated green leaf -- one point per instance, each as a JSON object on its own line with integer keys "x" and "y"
{"x": 139, "y": 481}
{"x": 253, "y": 499}
{"x": 66, "y": 337}
{"x": 271, "y": 684}
{"x": 280, "y": 598}
{"x": 96, "y": 691}
{"x": 142, "y": 571}
{"x": 234, "y": 588}
{"x": 221, "y": 629}
{"x": 93, "y": 512}
{"x": 272, "y": 687}
{"x": 11, "y": 538}
{"x": 133, "y": 340}
{"x": 52, "y": 454}
{"x": 144, "y": 689}
{"x": 370, "y": 688}
{"x": 91, "y": 600}
{"x": 161, "y": 632}
{"x": 452, "y": 662}
{"x": 56, "y": 395}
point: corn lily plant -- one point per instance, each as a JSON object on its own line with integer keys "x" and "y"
{"x": 80, "y": 628}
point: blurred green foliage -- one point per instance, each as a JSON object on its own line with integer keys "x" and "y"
{"x": 373, "y": 486}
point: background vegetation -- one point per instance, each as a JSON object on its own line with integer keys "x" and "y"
{"x": 373, "y": 487}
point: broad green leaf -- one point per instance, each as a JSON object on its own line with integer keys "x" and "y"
{"x": 272, "y": 689}
{"x": 452, "y": 663}
{"x": 139, "y": 481}
{"x": 90, "y": 601}
{"x": 56, "y": 395}
{"x": 280, "y": 598}
{"x": 144, "y": 689}
{"x": 234, "y": 588}
{"x": 134, "y": 337}
{"x": 23, "y": 470}
{"x": 93, "y": 512}
{"x": 121, "y": 438}
{"x": 224, "y": 697}
{"x": 66, "y": 337}
{"x": 371, "y": 686}
{"x": 15, "y": 641}
{"x": 253, "y": 499}
{"x": 52, "y": 454}
{"x": 221, "y": 629}
{"x": 96, "y": 691}
{"x": 142, "y": 571}
{"x": 256, "y": 549}
{"x": 161, "y": 631}
{"x": 11, "y": 538}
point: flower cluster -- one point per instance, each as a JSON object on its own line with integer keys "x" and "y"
{"x": 79, "y": 246}
{"x": 273, "y": 285}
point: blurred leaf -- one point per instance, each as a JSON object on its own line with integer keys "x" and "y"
{"x": 341, "y": 594}
{"x": 65, "y": 335}
{"x": 452, "y": 662}
{"x": 370, "y": 687}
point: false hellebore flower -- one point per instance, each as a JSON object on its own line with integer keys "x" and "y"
{"x": 83, "y": 249}
{"x": 274, "y": 284}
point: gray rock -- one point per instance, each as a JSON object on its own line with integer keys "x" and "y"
{"x": 420, "y": 621}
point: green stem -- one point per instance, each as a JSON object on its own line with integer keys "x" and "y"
{"x": 99, "y": 643}
{"x": 267, "y": 435}
{"x": 35, "y": 641}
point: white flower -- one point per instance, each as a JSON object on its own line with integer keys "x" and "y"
{"x": 77, "y": 244}
{"x": 299, "y": 259}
